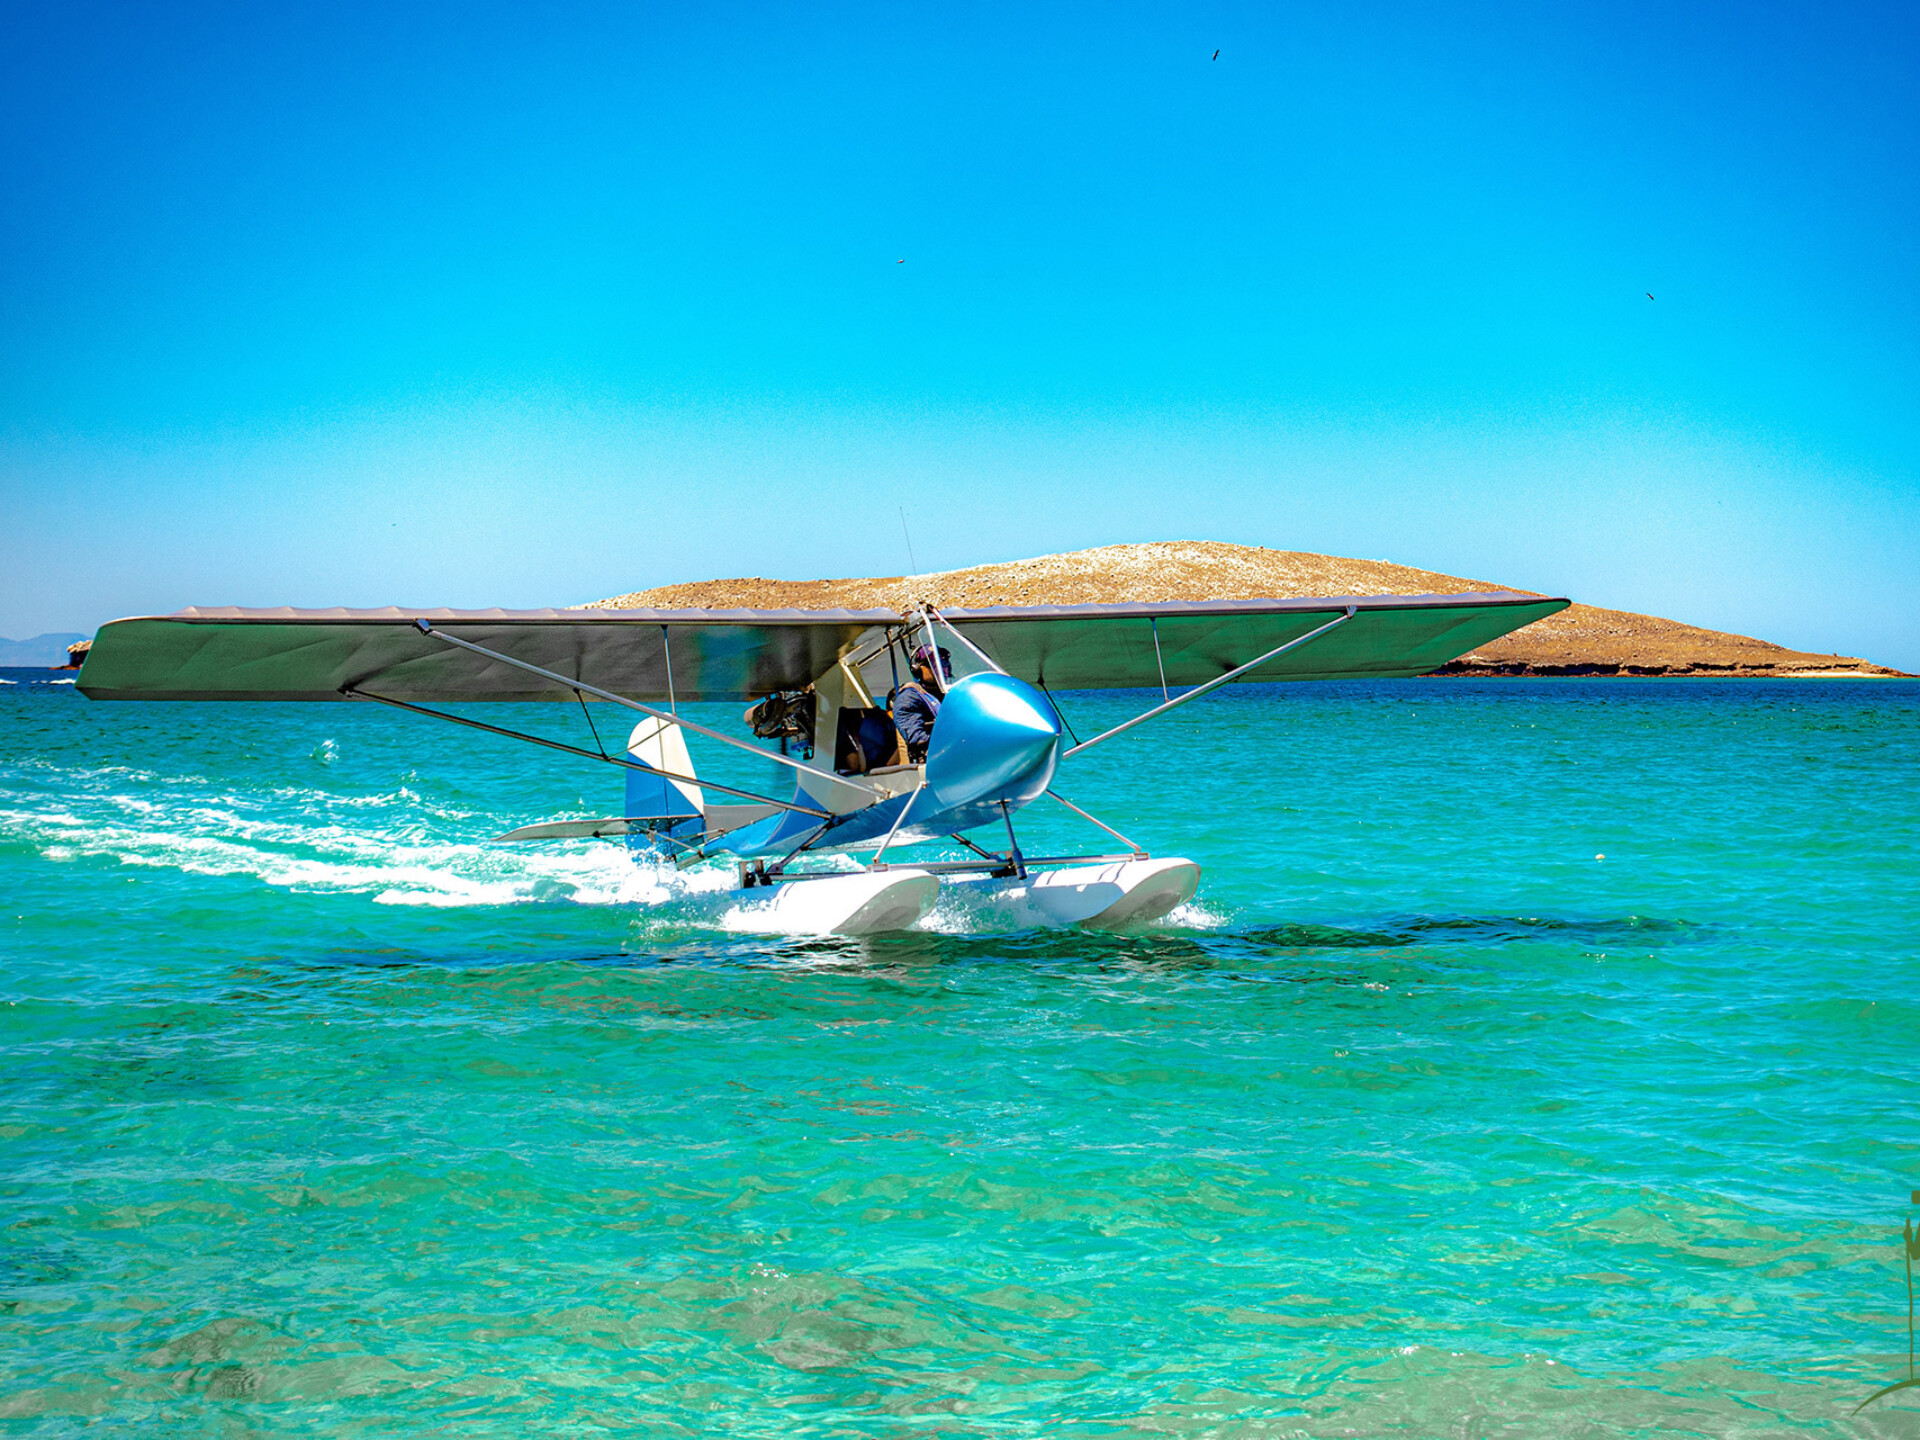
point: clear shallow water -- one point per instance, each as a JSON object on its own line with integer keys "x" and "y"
{"x": 323, "y": 1117}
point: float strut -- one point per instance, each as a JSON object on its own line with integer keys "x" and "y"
{"x": 1013, "y": 845}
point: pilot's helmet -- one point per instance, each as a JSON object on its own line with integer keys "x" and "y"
{"x": 924, "y": 656}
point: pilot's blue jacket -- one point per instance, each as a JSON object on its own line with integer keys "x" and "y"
{"x": 914, "y": 711}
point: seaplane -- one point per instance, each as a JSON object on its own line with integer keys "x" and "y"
{"x": 837, "y": 855}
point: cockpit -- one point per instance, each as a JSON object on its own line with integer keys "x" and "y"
{"x": 845, "y": 703}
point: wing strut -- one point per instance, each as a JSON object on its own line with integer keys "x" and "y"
{"x": 358, "y": 694}
{"x": 933, "y": 644}
{"x": 425, "y": 627}
{"x": 1214, "y": 684}
{"x": 879, "y": 856}
{"x": 1138, "y": 853}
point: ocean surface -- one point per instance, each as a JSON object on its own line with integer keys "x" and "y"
{"x": 1537, "y": 1058}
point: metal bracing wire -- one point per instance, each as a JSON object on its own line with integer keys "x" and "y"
{"x": 1057, "y": 710}
{"x": 588, "y": 714}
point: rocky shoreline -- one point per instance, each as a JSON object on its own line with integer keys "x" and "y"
{"x": 1847, "y": 670}
{"x": 1582, "y": 640}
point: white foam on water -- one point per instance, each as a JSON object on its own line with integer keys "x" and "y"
{"x": 1191, "y": 916}
{"x": 403, "y": 847}
{"x": 299, "y": 839}
{"x": 85, "y": 776}
{"x": 965, "y": 910}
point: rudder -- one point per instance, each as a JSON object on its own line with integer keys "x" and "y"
{"x": 679, "y": 808}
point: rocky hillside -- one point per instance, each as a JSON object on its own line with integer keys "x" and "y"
{"x": 1582, "y": 640}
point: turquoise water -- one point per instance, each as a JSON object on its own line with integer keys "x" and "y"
{"x": 322, "y": 1117}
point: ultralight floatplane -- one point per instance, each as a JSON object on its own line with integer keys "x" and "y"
{"x": 817, "y": 678}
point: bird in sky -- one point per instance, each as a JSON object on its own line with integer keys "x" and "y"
{"x": 1216, "y": 54}
{"x": 1649, "y": 295}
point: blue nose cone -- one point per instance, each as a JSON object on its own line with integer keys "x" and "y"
{"x": 997, "y": 739}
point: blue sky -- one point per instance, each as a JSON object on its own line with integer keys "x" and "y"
{"x": 526, "y": 305}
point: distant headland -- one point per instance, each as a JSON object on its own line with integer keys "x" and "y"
{"x": 50, "y": 651}
{"x": 1582, "y": 640}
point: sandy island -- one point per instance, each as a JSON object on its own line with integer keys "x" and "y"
{"x": 1582, "y": 640}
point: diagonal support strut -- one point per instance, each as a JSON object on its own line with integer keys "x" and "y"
{"x": 1211, "y": 685}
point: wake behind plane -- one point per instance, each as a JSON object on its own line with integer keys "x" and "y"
{"x": 830, "y": 687}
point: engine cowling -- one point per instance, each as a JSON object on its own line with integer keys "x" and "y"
{"x": 996, "y": 739}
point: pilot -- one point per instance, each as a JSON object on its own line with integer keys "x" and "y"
{"x": 916, "y": 704}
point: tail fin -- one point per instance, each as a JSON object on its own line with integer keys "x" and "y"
{"x": 677, "y": 806}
